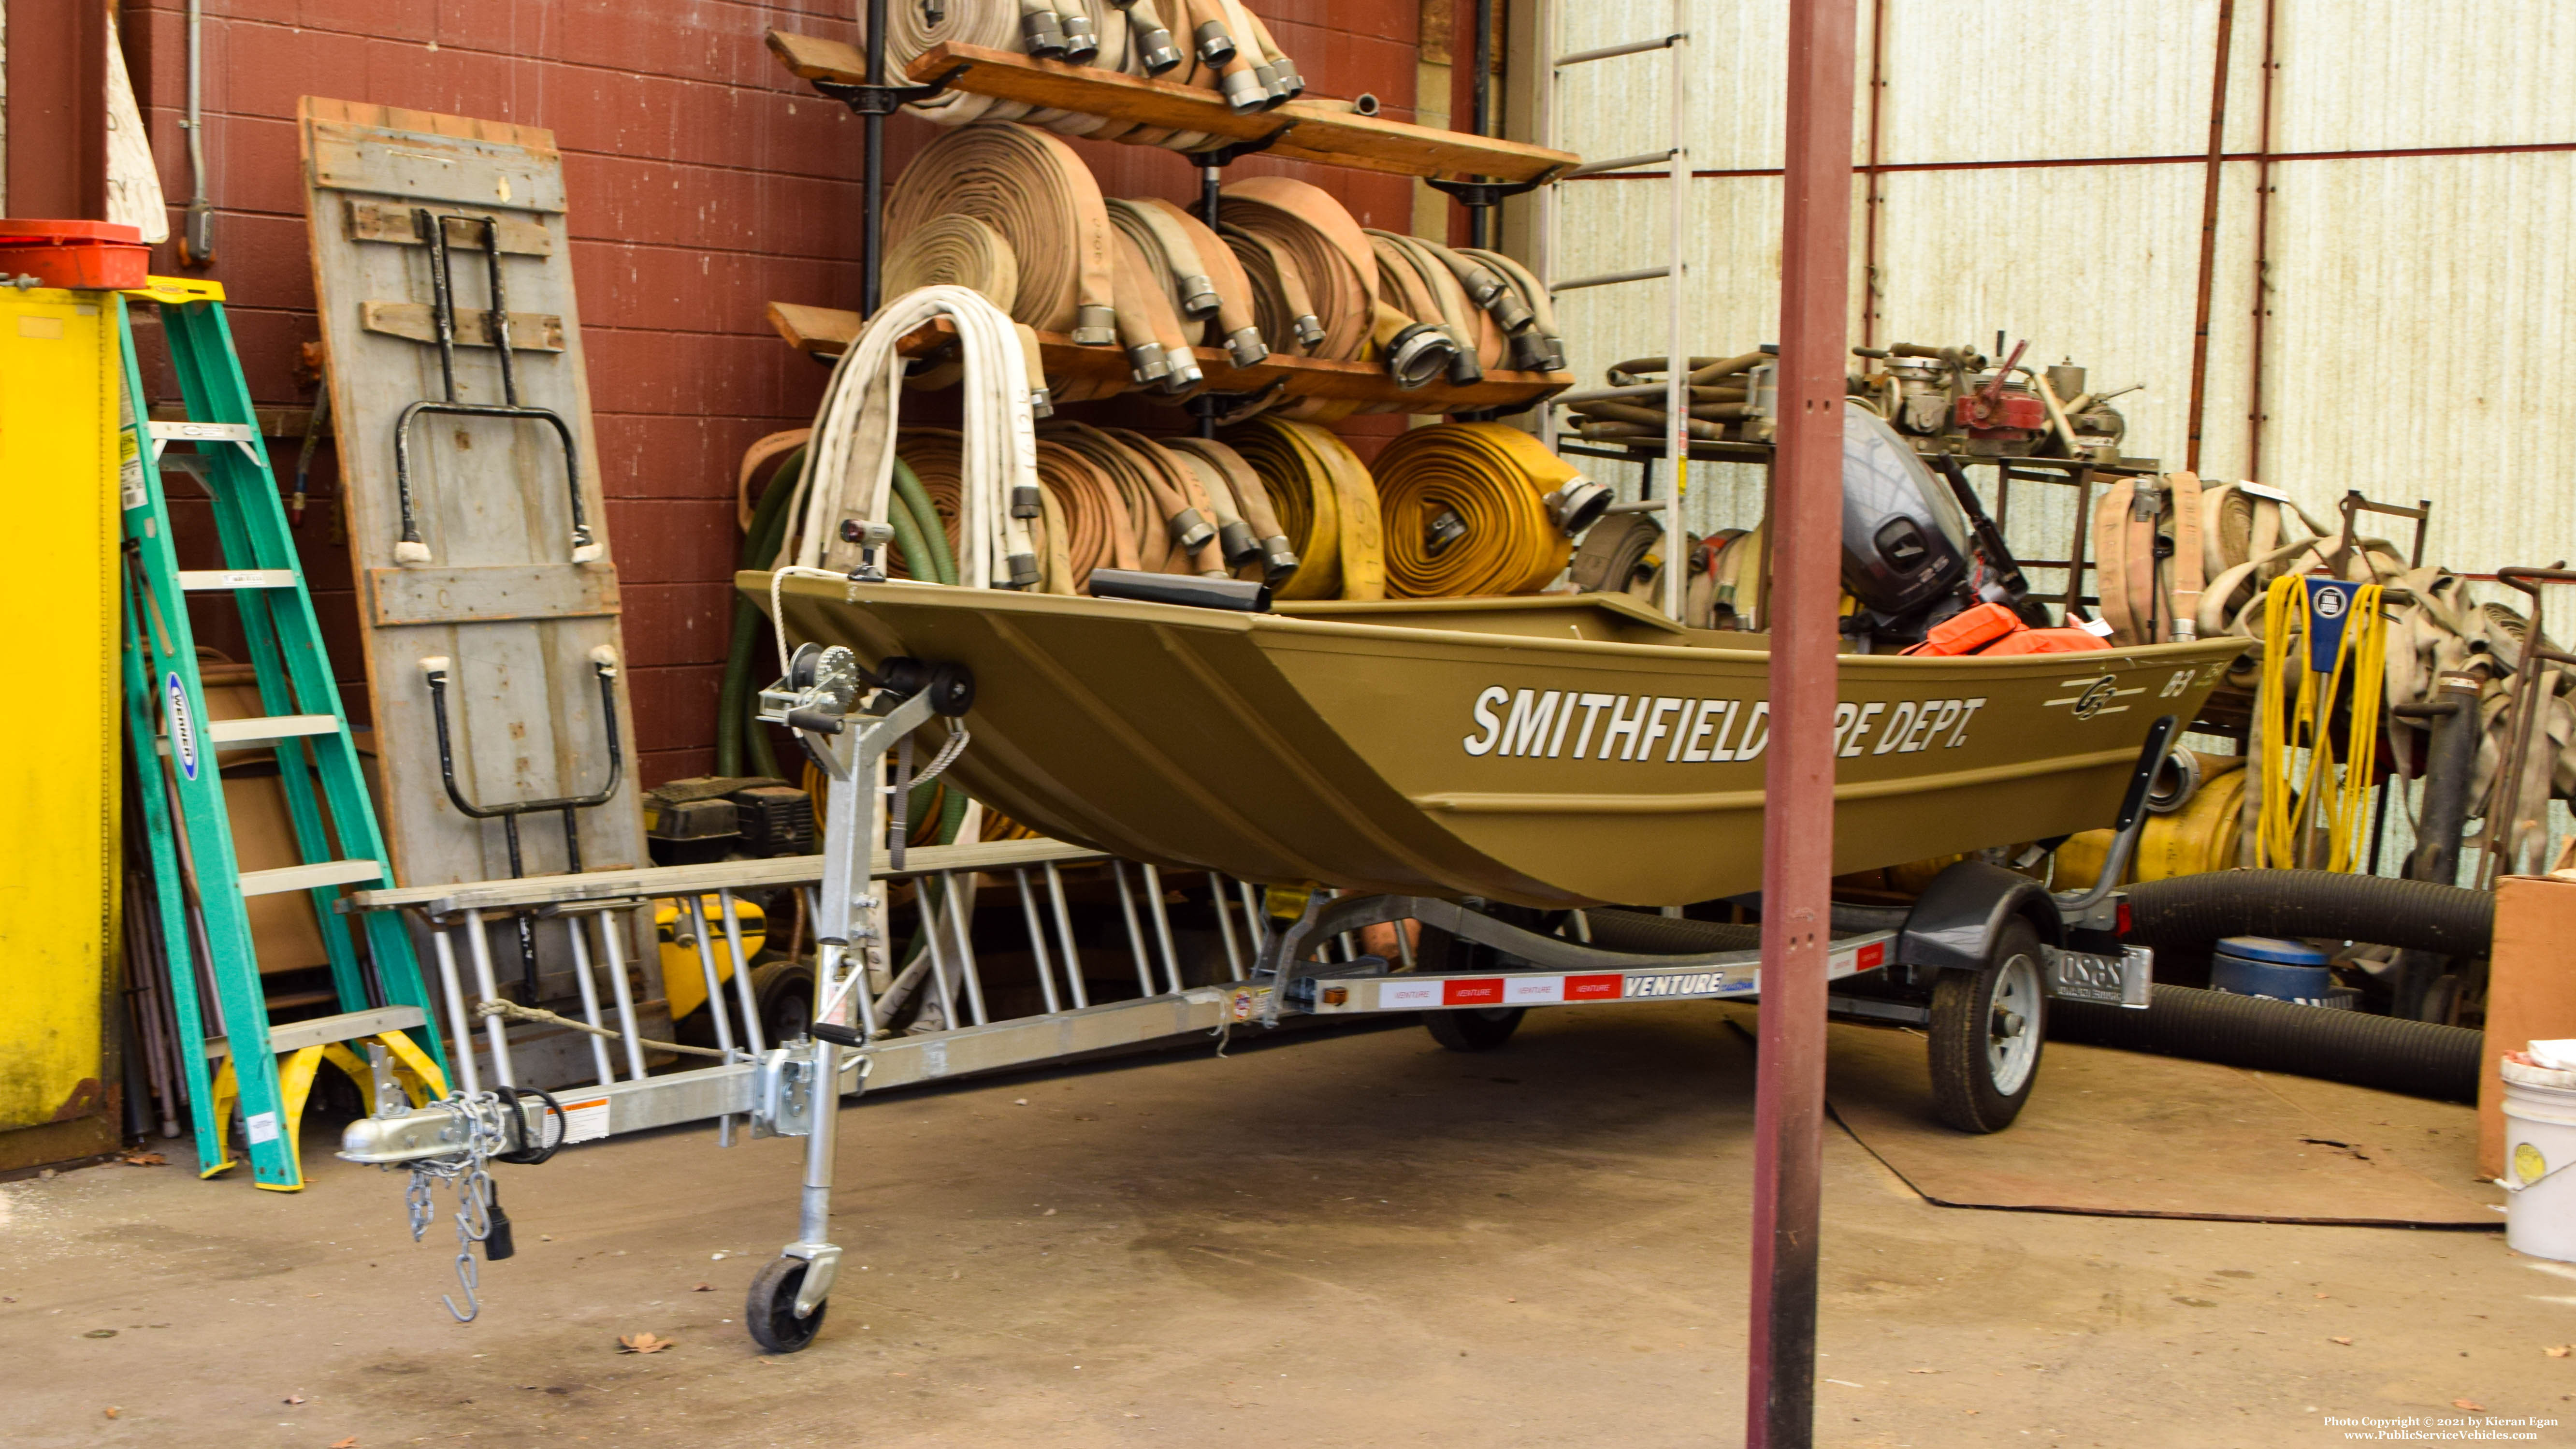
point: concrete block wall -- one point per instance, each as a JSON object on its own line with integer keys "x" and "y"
{"x": 704, "y": 182}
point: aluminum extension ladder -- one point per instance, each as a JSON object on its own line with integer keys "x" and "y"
{"x": 1676, "y": 160}
{"x": 199, "y": 893}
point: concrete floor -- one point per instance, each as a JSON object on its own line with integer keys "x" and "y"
{"x": 1353, "y": 1240}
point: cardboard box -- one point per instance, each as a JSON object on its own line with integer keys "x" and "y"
{"x": 2531, "y": 989}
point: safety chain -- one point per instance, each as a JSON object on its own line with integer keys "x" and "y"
{"x": 494, "y": 1130}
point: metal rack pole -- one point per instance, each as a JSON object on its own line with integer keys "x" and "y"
{"x": 1798, "y": 776}
{"x": 872, "y": 170}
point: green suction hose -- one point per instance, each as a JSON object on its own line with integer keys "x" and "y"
{"x": 759, "y": 548}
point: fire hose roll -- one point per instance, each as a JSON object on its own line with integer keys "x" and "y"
{"x": 1129, "y": 37}
{"x": 1087, "y": 516}
{"x": 1466, "y": 512}
{"x": 955, "y": 249}
{"x": 1326, "y": 504}
{"x": 850, "y": 472}
{"x": 1538, "y": 347}
{"x": 1169, "y": 520}
{"x": 1416, "y": 281}
{"x": 1330, "y": 256}
{"x": 1199, "y": 274}
{"x": 1272, "y": 559}
{"x": 1032, "y": 189}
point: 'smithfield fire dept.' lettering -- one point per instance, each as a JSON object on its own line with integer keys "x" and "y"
{"x": 1544, "y": 724}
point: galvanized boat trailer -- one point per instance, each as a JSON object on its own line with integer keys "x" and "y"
{"x": 1974, "y": 961}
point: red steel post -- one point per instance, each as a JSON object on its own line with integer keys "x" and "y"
{"x": 1798, "y": 814}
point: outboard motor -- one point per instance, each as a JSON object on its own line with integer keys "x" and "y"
{"x": 1907, "y": 551}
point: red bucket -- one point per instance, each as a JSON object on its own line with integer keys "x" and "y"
{"x": 95, "y": 256}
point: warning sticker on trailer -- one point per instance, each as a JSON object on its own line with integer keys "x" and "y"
{"x": 585, "y": 1121}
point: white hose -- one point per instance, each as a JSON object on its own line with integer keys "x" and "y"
{"x": 851, "y": 467}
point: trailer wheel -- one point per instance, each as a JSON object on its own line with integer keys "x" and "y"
{"x": 1476, "y": 1029}
{"x": 770, "y": 1311}
{"x": 1988, "y": 1026}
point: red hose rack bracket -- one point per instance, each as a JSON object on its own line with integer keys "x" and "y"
{"x": 94, "y": 256}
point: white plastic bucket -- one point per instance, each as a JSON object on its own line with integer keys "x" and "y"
{"x": 2539, "y": 1148}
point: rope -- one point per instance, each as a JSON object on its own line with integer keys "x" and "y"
{"x": 1466, "y": 512}
{"x": 515, "y": 1012}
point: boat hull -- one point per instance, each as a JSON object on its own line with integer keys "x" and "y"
{"x": 1539, "y": 770}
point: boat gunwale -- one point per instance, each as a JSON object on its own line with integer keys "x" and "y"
{"x": 1290, "y": 626}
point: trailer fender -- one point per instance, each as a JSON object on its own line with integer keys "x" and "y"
{"x": 1955, "y": 923}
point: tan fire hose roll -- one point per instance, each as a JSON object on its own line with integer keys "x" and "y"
{"x": 955, "y": 249}
{"x": 1167, "y": 513}
{"x": 1327, "y": 508}
{"x": 1538, "y": 347}
{"x": 1090, "y": 511}
{"x": 1200, "y": 274}
{"x": 1332, "y": 256}
{"x": 1466, "y": 512}
{"x": 1271, "y": 559}
{"x": 1281, "y": 308}
{"x": 1149, "y": 329}
{"x": 1030, "y": 187}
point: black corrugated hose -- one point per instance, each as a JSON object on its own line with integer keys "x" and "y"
{"x": 2415, "y": 1057}
{"x": 2183, "y": 919}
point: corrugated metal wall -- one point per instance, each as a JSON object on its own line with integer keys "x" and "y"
{"x": 2042, "y": 171}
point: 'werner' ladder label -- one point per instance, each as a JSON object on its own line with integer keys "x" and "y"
{"x": 199, "y": 888}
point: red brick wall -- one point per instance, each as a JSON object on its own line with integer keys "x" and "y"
{"x": 704, "y": 182}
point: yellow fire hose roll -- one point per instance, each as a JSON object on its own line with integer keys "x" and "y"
{"x": 1326, "y": 505}
{"x": 1466, "y": 512}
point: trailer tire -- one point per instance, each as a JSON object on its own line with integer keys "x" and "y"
{"x": 770, "y": 1310}
{"x": 1475, "y": 1029}
{"x": 1988, "y": 1029}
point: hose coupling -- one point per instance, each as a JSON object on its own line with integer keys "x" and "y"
{"x": 1184, "y": 373}
{"x": 1214, "y": 45}
{"x": 1145, "y": 362}
{"x": 1292, "y": 85}
{"x": 1464, "y": 368}
{"x": 1268, "y": 75}
{"x": 1310, "y": 332}
{"x": 1025, "y": 501}
{"x": 1278, "y": 560}
{"x": 1509, "y": 312}
{"x": 1023, "y": 569}
{"x": 1243, "y": 91}
{"x": 1198, "y": 296}
{"x": 1246, "y": 347}
{"x": 1095, "y": 326}
{"x": 1041, "y": 402}
{"x": 1190, "y": 531}
{"x": 1418, "y": 354}
{"x": 1042, "y": 34}
{"x": 1578, "y": 505}
{"x": 1156, "y": 45}
{"x": 1081, "y": 40}
{"x": 1236, "y": 544}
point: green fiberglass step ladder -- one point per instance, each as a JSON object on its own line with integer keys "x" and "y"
{"x": 200, "y": 892}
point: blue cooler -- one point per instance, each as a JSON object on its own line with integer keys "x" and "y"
{"x": 2270, "y": 966}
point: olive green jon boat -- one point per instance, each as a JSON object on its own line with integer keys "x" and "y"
{"x": 1553, "y": 751}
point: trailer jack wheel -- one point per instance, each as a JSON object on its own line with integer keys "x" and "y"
{"x": 1475, "y": 1029}
{"x": 1988, "y": 1026}
{"x": 771, "y": 1309}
